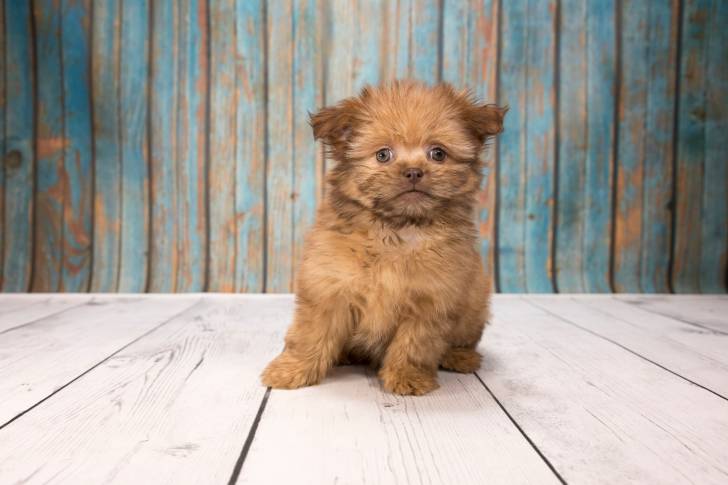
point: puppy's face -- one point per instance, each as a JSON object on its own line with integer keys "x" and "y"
{"x": 406, "y": 150}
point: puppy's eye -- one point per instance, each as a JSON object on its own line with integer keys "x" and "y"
{"x": 437, "y": 154}
{"x": 384, "y": 155}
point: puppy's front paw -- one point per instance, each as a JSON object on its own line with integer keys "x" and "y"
{"x": 461, "y": 359}
{"x": 409, "y": 381}
{"x": 289, "y": 372}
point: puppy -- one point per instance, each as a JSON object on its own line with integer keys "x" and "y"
{"x": 390, "y": 273}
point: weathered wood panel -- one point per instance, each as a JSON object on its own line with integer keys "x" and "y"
{"x": 50, "y": 144}
{"x": 77, "y": 148}
{"x": 470, "y": 60}
{"x": 701, "y": 219}
{"x": 587, "y": 53}
{"x": 2, "y": 136}
{"x": 166, "y": 146}
{"x": 527, "y": 146}
{"x": 644, "y": 174}
{"x": 19, "y": 147}
{"x": 106, "y": 66}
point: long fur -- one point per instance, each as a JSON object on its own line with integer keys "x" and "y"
{"x": 388, "y": 277}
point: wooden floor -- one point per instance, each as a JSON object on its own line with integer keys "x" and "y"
{"x": 165, "y": 389}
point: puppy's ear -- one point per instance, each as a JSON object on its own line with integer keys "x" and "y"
{"x": 335, "y": 125}
{"x": 485, "y": 120}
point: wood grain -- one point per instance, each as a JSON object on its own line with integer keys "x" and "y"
{"x": 587, "y": 52}
{"x": 16, "y": 311}
{"x": 78, "y": 145}
{"x": 597, "y": 412}
{"x": 150, "y": 403}
{"x": 163, "y": 132}
{"x": 105, "y": 85}
{"x": 19, "y": 151}
{"x": 3, "y": 104}
{"x": 279, "y": 180}
{"x": 695, "y": 353}
{"x": 696, "y": 310}
{"x": 191, "y": 145}
{"x": 250, "y": 159}
{"x": 527, "y": 147}
{"x": 38, "y": 359}
{"x": 644, "y": 175}
{"x": 349, "y": 428}
{"x": 470, "y": 61}
{"x": 50, "y": 176}
{"x": 134, "y": 108}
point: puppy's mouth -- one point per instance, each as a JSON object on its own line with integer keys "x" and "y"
{"x": 413, "y": 194}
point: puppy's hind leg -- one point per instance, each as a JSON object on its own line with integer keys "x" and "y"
{"x": 461, "y": 359}
{"x": 313, "y": 344}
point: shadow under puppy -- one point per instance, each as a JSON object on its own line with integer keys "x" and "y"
{"x": 391, "y": 274}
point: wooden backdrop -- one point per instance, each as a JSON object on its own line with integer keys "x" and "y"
{"x": 164, "y": 146}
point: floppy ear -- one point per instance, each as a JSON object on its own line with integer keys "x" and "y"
{"x": 334, "y": 126}
{"x": 485, "y": 120}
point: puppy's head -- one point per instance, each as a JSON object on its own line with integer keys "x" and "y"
{"x": 406, "y": 150}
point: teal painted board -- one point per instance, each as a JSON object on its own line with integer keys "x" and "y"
{"x": 134, "y": 224}
{"x": 511, "y": 241}
{"x": 413, "y": 37}
{"x": 470, "y": 60}
{"x": 163, "y": 133}
{"x": 19, "y": 150}
{"x": 250, "y": 154}
{"x": 540, "y": 145}
{"x": 105, "y": 64}
{"x": 586, "y": 124}
{"x": 191, "y": 146}
{"x": 77, "y": 148}
{"x": 279, "y": 177}
{"x": 527, "y": 147}
{"x": 223, "y": 106}
{"x": 50, "y": 180}
{"x": 645, "y": 154}
{"x": 714, "y": 255}
{"x": 307, "y": 96}
{"x": 2, "y": 137}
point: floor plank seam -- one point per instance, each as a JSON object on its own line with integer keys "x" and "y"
{"x": 523, "y": 433}
{"x": 646, "y": 359}
{"x": 673, "y": 317}
{"x": 50, "y": 315}
{"x": 64, "y": 386}
{"x": 249, "y": 439}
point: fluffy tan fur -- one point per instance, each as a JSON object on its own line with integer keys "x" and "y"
{"x": 391, "y": 275}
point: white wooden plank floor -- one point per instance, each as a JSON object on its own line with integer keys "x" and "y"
{"x": 164, "y": 389}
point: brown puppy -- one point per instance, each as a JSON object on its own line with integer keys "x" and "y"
{"x": 390, "y": 273}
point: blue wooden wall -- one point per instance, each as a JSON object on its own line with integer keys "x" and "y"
{"x": 164, "y": 145}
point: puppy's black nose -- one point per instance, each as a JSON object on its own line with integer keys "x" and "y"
{"x": 414, "y": 175}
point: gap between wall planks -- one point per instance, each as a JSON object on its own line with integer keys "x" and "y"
{"x": 164, "y": 146}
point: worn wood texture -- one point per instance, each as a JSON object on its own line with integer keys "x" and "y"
{"x": 587, "y": 53}
{"x": 165, "y": 146}
{"x": 644, "y": 174}
{"x": 701, "y": 219}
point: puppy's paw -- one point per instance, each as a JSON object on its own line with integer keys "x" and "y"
{"x": 461, "y": 359}
{"x": 409, "y": 381}
{"x": 289, "y": 372}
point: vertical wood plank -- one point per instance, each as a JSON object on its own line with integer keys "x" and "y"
{"x": 644, "y": 175}
{"x": 412, "y": 43}
{"x": 2, "y": 139}
{"x": 307, "y": 96}
{"x": 19, "y": 153}
{"x": 714, "y": 257}
{"x": 279, "y": 176}
{"x": 586, "y": 122}
{"x": 50, "y": 181}
{"x": 223, "y": 107}
{"x": 469, "y": 60}
{"x": 105, "y": 68}
{"x": 163, "y": 108}
{"x": 250, "y": 153}
{"x": 192, "y": 146}
{"x": 527, "y": 146}
{"x": 700, "y": 208}
{"x": 77, "y": 150}
{"x": 134, "y": 146}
